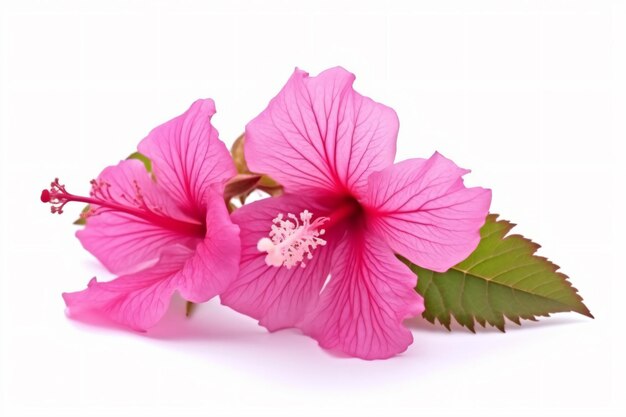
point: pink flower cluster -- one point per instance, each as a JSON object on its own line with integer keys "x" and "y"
{"x": 322, "y": 257}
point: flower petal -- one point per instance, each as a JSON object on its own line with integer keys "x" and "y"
{"x": 276, "y": 296}
{"x": 216, "y": 260}
{"x": 318, "y": 133}
{"x": 123, "y": 242}
{"x": 425, "y": 213}
{"x": 140, "y": 299}
{"x": 187, "y": 157}
{"x": 136, "y": 300}
{"x": 369, "y": 294}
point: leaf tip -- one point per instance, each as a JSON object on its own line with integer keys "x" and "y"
{"x": 585, "y": 311}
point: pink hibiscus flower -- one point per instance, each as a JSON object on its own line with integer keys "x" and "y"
{"x": 164, "y": 231}
{"x": 346, "y": 212}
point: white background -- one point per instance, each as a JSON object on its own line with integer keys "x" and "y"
{"x": 530, "y": 95}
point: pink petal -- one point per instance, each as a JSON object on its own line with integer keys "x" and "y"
{"x": 123, "y": 242}
{"x": 216, "y": 260}
{"x": 425, "y": 213}
{"x": 318, "y": 133}
{"x": 370, "y": 293}
{"x": 276, "y": 296}
{"x": 140, "y": 299}
{"x": 187, "y": 157}
{"x": 136, "y": 300}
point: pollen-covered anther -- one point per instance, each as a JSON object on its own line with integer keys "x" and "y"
{"x": 100, "y": 189}
{"x": 292, "y": 240}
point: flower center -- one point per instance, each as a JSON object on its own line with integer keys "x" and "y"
{"x": 101, "y": 200}
{"x": 292, "y": 240}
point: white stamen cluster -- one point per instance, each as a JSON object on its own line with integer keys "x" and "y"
{"x": 291, "y": 240}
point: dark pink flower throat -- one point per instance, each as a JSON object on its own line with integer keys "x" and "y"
{"x": 102, "y": 200}
{"x": 349, "y": 209}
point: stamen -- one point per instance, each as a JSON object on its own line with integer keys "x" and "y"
{"x": 102, "y": 200}
{"x": 54, "y": 196}
{"x": 292, "y": 240}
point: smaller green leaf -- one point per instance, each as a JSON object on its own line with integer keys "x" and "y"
{"x": 502, "y": 278}
{"x": 238, "y": 157}
{"x": 241, "y": 185}
{"x": 141, "y": 157}
{"x": 189, "y": 308}
{"x": 82, "y": 220}
{"x": 265, "y": 183}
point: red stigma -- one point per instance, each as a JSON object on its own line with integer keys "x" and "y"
{"x": 57, "y": 196}
{"x": 45, "y": 196}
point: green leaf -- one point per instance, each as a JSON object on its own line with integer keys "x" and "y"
{"x": 189, "y": 308}
{"x": 502, "y": 278}
{"x": 241, "y": 185}
{"x": 265, "y": 183}
{"x": 141, "y": 157}
{"x": 82, "y": 220}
